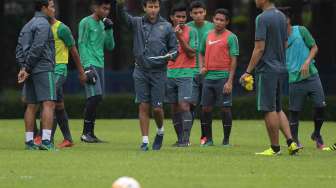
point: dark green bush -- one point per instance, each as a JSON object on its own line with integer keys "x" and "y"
{"x": 123, "y": 106}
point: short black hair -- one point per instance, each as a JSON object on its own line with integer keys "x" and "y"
{"x": 41, "y": 3}
{"x": 178, "y": 8}
{"x": 144, "y": 2}
{"x": 102, "y": 2}
{"x": 197, "y": 4}
{"x": 224, "y": 12}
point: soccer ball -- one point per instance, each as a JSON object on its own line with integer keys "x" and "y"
{"x": 126, "y": 182}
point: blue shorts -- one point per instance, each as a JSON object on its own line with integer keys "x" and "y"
{"x": 179, "y": 90}
{"x": 299, "y": 91}
{"x": 213, "y": 94}
{"x": 149, "y": 87}
{"x": 39, "y": 87}
{"x": 269, "y": 91}
{"x": 60, "y": 80}
{"x": 97, "y": 88}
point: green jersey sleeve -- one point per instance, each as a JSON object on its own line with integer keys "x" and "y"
{"x": 83, "y": 40}
{"x": 233, "y": 45}
{"x": 65, "y": 35}
{"x": 307, "y": 37}
{"x": 193, "y": 42}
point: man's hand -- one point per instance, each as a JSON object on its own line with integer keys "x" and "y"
{"x": 228, "y": 87}
{"x": 108, "y": 23}
{"x": 305, "y": 69}
{"x": 204, "y": 71}
{"x": 22, "y": 76}
{"x": 178, "y": 30}
{"x": 82, "y": 78}
{"x": 242, "y": 78}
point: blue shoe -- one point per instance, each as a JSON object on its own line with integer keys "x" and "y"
{"x": 47, "y": 145}
{"x": 157, "y": 144}
{"x": 144, "y": 147}
{"x": 31, "y": 146}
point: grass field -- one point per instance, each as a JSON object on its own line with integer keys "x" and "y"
{"x": 97, "y": 165}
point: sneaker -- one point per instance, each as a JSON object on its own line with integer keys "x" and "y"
{"x": 299, "y": 144}
{"x": 175, "y": 144}
{"x": 293, "y": 148}
{"x": 97, "y": 140}
{"x": 47, "y": 145}
{"x": 144, "y": 147}
{"x": 65, "y": 144}
{"x": 182, "y": 145}
{"x": 269, "y": 152}
{"x": 38, "y": 140}
{"x": 157, "y": 144}
{"x": 30, "y": 145}
{"x": 330, "y": 148}
{"x": 87, "y": 138}
{"x": 318, "y": 140}
{"x": 203, "y": 140}
{"x": 226, "y": 143}
{"x": 209, "y": 142}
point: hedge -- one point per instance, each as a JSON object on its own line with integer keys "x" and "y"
{"x": 123, "y": 106}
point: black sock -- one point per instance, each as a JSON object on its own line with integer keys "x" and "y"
{"x": 227, "y": 124}
{"x": 193, "y": 112}
{"x": 294, "y": 125}
{"x": 333, "y": 147}
{"x": 207, "y": 124}
{"x": 177, "y": 122}
{"x": 318, "y": 120}
{"x": 63, "y": 122}
{"x": 90, "y": 114}
{"x": 204, "y": 127}
{"x": 275, "y": 148}
{"x": 289, "y": 142}
{"x": 187, "y": 125}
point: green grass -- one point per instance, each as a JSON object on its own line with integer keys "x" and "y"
{"x": 98, "y": 165}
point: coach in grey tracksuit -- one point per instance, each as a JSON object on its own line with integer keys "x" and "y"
{"x": 35, "y": 54}
{"x": 153, "y": 36}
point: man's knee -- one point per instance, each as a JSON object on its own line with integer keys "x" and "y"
{"x": 48, "y": 105}
{"x": 32, "y": 108}
{"x": 157, "y": 110}
{"x": 184, "y": 106}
